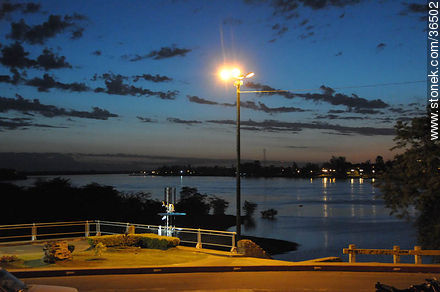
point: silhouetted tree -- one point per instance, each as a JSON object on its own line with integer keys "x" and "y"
{"x": 413, "y": 179}
{"x": 249, "y": 208}
{"x": 192, "y": 202}
{"x": 218, "y": 205}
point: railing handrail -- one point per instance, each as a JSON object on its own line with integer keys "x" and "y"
{"x": 43, "y": 223}
{"x": 98, "y": 223}
{"x": 396, "y": 252}
{"x": 179, "y": 228}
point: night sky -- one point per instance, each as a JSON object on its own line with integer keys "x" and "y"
{"x": 138, "y": 80}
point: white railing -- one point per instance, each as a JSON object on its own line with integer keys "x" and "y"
{"x": 396, "y": 252}
{"x": 52, "y": 230}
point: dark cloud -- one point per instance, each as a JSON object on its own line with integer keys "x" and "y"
{"x": 280, "y": 29}
{"x": 283, "y": 109}
{"x": 297, "y": 147}
{"x": 38, "y": 34}
{"x": 115, "y": 85}
{"x": 75, "y": 16}
{"x": 14, "y": 56}
{"x": 199, "y": 100}
{"x": 48, "y": 82}
{"x": 328, "y": 96}
{"x": 232, "y": 21}
{"x": 146, "y": 120}
{"x": 288, "y": 8}
{"x": 21, "y": 124}
{"x": 7, "y": 7}
{"x": 15, "y": 79}
{"x": 155, "y": 78}
{"x": 416, "y": 8}
{"x": 148, "y": 77}
{"x": 366, "y": 111}
{"x": 48, "y": 60}
{"x": 381, "y": 46}
{"x": 304, "y": 22}
{"x": 26, "y": 106}
{"x": 186, "y": 122}
{"x": 97, "y": 53}
{"x": 77, "y": 33}
{"x": 247, "y": 104}
{"x": 304, "y": 36}
{"x": 279, "y": 126}
{"x": 336, "y": 117}
{"x": 163, "y": 53}
{"x": 336, "y": 111}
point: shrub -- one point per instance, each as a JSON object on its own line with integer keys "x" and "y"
{"x": 71, "y": 247}
{"x": 146, "y": 240}
{"x": 8, "y": 258}
{"x": 218, "y": 205}
{"x": 99, "y": 249}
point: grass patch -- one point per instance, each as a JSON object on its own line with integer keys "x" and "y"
{"x": 113, "y": 257}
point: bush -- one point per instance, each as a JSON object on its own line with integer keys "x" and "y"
{"x": 249, "y": 208}
{"x": 99, "y": 249}
{"x": 147, "y": 240}
{"x": 218, "y": 205}
{"x": 8, "y": 258}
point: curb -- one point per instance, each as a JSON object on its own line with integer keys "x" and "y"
{"x": 217, "y": 269}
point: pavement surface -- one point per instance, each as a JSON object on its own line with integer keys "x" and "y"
{"x": 241, "y": 281}
{"x": 223, "y": 271}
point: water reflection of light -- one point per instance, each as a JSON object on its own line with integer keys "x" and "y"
{"x": 373, "y": 180}
{"x": 373, "y": 210}
{"x": 325, "y": 211}
{"x": 334, "y": 180}
{"x": 324, "y": 182}
{"x": 352, "y": 181}
{"x": 361, "y": 180}
{"x": 326, "y": 239}
{"x": 352, "y": 211}
{"x": 311, "y": 180}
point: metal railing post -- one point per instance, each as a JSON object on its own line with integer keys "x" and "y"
{"x": 98, "y": 228}
{"x": 87, "y": 231}
{"x": 127, "y": 227}
{"x": 233, "y": 248}
{"x": 159, "y": 231}
{"x": 396, "y": 255}
{"x": 417, "y": 256}
{"x": 34, "y": 232}
{"x": 351, "y": 255}
{"x": 199, "y": 239}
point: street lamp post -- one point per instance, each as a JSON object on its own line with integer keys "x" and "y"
{"x": 237, "y": 84}
{"x": 238, "y": 81}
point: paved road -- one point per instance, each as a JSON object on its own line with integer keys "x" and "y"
{"x": 238, "y": 281}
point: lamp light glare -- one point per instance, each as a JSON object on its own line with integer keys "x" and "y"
{"x": 225, "y": 74}
{"x": 235, "y": 73}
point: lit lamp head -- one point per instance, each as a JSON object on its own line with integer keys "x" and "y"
{"x": 234, "y": 74}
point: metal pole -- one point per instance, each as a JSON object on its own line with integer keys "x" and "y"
{"x": 87, "y": 232}
{"x": 352, "y": 255}
{"x": 199, "y": 239}
{"x": 233, "y": 248}
{"x": 417, "y": 256}
{"x": 98, "y": 228}
{"x": 238, "y": 187}
{"x": 34, "y": 232}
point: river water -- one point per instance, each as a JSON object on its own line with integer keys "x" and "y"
{"x": 323, "y": 215}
